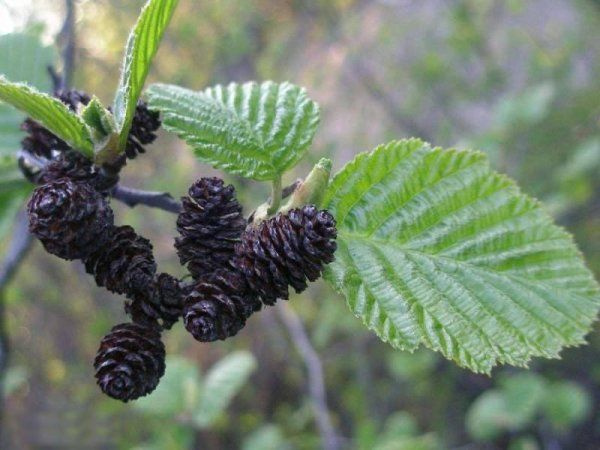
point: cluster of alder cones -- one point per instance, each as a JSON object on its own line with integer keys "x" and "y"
{"x": 236, "y": 266}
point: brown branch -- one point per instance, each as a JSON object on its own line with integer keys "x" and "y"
{"x": 163, "y": 200}
{"x": 289, "y": 190}
{"x": 134, "y": 197}
{"x": 314, "y": 368}
{"x": 67, "y": 35}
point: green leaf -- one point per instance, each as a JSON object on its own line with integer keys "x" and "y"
{"x": 435, "y": 248}
{"x": 401, "y": 433}
{"x": 169, "y": 435}
{"x": 424, "y": 442}
{"x": 254, "y": 130}
{"x": 222, "y": 383}
{"x": 141, "y": 47}
{"x": 523, "y": 394}
{"x": 102, "y": 128}
{"x": 267, "y": 437}
{"x": 177, "y": 392}
{"x": 489, "y": 416}
{"x": 13, "y": 191}
{"x": 525, "y": 108}
{"x": 15, "y": 378}
{"x": 566, "y": 405}
{"x": 50, "y": 112}
{"x": 524, "y": 443}
{"x": 98, "y": 119}
{"x": 11, "y": 177}
{"x": 511, "y": 408}
{"x": 22, "y": 58}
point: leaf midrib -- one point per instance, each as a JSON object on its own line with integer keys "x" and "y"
{"x": 265, "y": 160}
{"x": 528, "y": 281}
{"x": 240, "y": 119}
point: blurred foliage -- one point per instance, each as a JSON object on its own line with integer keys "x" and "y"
{"x": 526, "y": 402}
{"x": 22, "y": 58}
{"x": 187, "y": 402}
{"x": 517, "y": 79}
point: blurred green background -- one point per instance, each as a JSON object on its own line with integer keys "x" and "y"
{"x": 517, "y": 79}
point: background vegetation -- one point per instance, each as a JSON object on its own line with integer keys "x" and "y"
{"x": 517, "y": 79}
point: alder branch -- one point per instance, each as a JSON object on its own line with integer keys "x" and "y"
{"x": 163, "y": 200}
{"x": 289, "y": 190}
{"x": 314, "y": 367}
{"x": 134, "y": 197}
{"x": 67, "y": 35}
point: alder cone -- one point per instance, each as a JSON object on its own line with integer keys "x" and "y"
{"x": 124, "y": 264}
{"x": 287, "y": 250}
{"x": 41, "y": 142}
{"x": 218, "y": 306}
{"x": 209, "y": 225}
{"x": 161, "y": 304}
{"x": 143, "y": 130}
{"x": 71, "y": 219}
{"x": 72, "y": 165}
{"x": 130, "y": 361}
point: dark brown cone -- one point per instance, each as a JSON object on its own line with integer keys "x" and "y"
{"x": 41, "y": 142}
{"x": 130, "y": 361}
{"x": 218, "y": 306}
{"x": 209, "y": 225}
{"x": 124, "y": 264}
{"x": 71, "y": 219}
{"x": 161, "y": 303}
{"x": 143, "y": 130}
{"x": 286, "y": 251}
{"x": 72, "y": 165}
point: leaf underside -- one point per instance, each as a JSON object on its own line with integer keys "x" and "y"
{"x": 50, "y": 112}
{"x": 437, "y": 249}
{"x": 253, "y": 130}
{"x": 141, "y": 47}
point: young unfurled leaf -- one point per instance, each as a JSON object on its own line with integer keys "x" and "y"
{"x": 437, "y": 249}
{"x": 140, "y": 49}
{"x": 254, "y": 130}
{"x": 222, "y": 383}
{"x": 98, "y": 119}
{"x": 102, "y": 128}
{"x": 50, "y": 112}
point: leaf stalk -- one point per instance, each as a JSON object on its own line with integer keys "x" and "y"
{"x": 275, "y": 196}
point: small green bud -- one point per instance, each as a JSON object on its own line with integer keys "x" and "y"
{"x": 312, "y": 189}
